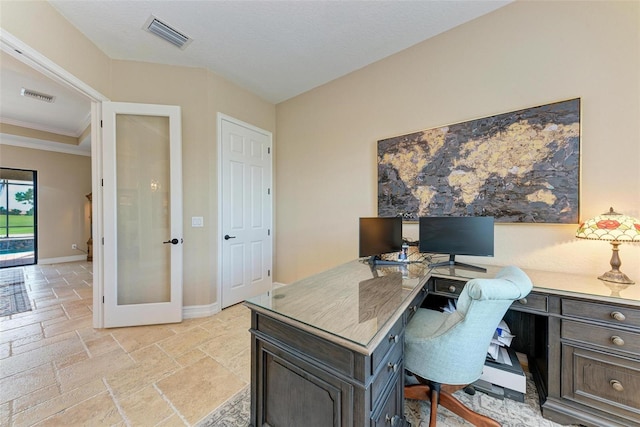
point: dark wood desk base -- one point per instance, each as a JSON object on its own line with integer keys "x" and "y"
{"x": 584, "y": 355}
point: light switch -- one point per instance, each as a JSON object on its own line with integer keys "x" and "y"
{"x": 197, "y": 221}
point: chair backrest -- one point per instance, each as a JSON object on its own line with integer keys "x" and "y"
{"x": 482, "y": 305}
{"x": 454, "y": 353}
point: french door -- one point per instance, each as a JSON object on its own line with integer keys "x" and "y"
{"x": 142, "y": 193}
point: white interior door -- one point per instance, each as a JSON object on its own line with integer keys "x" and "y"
{"x": 142, "y": 188}
{"x": 246, "y": 205}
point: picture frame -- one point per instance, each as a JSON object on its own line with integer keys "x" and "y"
{"x": 519, "y": 167}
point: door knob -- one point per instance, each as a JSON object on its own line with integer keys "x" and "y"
{"x": 172, "y": 241}
{"x": 227, "y": 237}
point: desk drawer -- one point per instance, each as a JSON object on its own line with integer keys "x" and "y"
{"x": 602, "y": 381}
{"x": 449, "y": 287}
{"x": 394, "y": 338}
{"x": 416, "y": 303}
{"x": 610, "y": 338}
{"x": 389, "y": 412}
{"x": 615, "y": 315}
{"x": 389, "y": 369}
{"x": 532, "y": 302}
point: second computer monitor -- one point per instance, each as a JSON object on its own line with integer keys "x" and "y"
{"x": 457, "y": 236}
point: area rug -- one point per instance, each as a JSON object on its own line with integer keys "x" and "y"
{"x": 13, "y": 294}
{"x": 509, "y": 413}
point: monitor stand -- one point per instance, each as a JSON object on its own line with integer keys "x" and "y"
{"x": 376, "y": 260}
{"x": 453, "y": 263}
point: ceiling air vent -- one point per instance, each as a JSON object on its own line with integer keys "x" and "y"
{"x": 37, "y": 95}
{"x": 165, "y": 32}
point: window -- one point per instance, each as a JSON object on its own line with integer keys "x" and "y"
{"x": 18, "y": 217}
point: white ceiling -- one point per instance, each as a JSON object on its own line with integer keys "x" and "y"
{"x": 68, "y": 115}
{"x": 275, "y": 49}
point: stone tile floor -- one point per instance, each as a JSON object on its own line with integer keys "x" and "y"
{"x": 55, "y": 369}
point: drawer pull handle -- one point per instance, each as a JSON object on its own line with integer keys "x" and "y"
{"x": 393, "y": 338}
{"x": 392, "y": 366}
{"x": 414, "y": 308}
{"x": 452, "y": 288}
{"x": 616, "y": 385}
{"x": 523, "y": 301}
{"x": 618, "y": 316}
{"x": 393, "y": 421}
{"x": 617, "y": 340}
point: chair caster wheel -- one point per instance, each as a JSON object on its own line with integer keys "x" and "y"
{"x": 470, "y": 390}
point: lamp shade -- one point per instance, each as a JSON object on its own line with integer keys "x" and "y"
{"x": 610, "y": 226}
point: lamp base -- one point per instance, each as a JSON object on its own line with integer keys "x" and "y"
{"x": 616, "y": 276}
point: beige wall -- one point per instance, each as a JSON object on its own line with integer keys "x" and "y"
{"x": 63, "y": 210}
{"x": 40, "y": 26}
{"x": 523, "y": 55}
{"x": 201, "y": 95}
{"x": 38, "y": 134}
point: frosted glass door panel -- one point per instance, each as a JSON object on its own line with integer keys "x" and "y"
{"x": 143, "y": 209}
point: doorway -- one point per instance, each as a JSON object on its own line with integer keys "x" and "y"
{"x": 18, "y": 217}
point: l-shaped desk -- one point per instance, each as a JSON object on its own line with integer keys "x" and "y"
{"x": 328, "y": 350}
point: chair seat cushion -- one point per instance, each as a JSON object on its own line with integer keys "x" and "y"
{"x": 424, "y": 324}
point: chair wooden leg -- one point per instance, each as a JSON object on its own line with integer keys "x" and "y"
{"x": 455, "y": 406}
{"x": 442, "y": 394}
{"x": 435, "y": 399}
{"x": 417, "y": 392}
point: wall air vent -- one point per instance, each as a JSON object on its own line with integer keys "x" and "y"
{"x": 165, "y": 32}
{"x": 37, "y": 95}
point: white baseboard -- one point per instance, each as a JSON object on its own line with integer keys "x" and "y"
{"x": 193, "y": 311}
{"x": 277, "y": 285}
{"x": 60, "y": 260}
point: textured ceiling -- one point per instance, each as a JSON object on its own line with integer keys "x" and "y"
{"x": 276, "y": 49}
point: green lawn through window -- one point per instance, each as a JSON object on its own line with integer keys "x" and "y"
{"x": 18, "y": 225}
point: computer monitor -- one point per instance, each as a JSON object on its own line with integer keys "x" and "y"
{"x": 456, "y": 236}
{"x": 380, "y": 236}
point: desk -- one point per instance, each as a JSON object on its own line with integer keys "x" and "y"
{"x": 328, "y": 350}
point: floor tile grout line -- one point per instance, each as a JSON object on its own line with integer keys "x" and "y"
{"x": 83, "y": 344}
{"x": 57, "y": 384}
{"x": 117, "y": 342}
{"x": 171, "y": 405}
{"x": 115, "y": 402}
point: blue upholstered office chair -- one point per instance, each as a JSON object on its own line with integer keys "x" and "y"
{"x": 446, "y": 352}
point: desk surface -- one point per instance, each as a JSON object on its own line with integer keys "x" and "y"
{"x": 356, "y": 305}
{"x": 573, "y": 285}
{"x": 351, "y": 302}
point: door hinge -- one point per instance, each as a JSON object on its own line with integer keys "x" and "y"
{"x": 103, "y": 299}
{"x": 268, "y": 150}
{"x": 268, "y": 191}
{"x": 102, "y": 182}
{"x": 269, "y": 273}
{"x": 268, "y": 232}
{"x": 100, "y": 123}
{"x": 103, "y": 241}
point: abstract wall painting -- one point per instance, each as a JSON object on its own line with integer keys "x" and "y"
{"x": 519, "y": 167}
